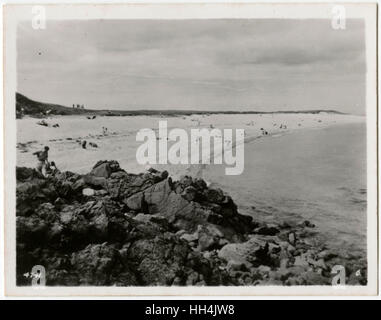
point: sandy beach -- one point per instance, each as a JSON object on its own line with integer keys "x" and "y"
{"x": 119, "y": 143}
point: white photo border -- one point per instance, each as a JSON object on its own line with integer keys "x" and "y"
{"x": 12, "y": 14}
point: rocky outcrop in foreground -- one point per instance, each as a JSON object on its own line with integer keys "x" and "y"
{"x": 110, "y": 227}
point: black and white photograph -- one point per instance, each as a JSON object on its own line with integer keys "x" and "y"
{"x": 168, "y": 150}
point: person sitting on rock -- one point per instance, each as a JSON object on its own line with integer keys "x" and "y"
{"x": 51, "y": 169}
{"x": 42, "y": 157}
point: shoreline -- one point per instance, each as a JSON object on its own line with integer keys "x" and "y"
{"x": 78, "y": 220}
{"x": 69, "y": 155}
{"x": 293, "y": 189}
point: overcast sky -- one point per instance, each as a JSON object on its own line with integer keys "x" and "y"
{"x": 195, "y": 64}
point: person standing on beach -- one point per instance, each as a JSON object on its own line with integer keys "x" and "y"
{"x": 42, "y": 157}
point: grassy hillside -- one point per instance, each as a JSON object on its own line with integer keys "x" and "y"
{"x": 26, "y": 106}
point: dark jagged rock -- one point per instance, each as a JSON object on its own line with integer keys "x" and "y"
{"x": 101, "y": 264}
{"x": 110, "y": 227}
{"x": 104, "y": 168}
{"x": 267, "y": 230}
{"x": 30, "y": 193}
{"x": 23, "y": 174}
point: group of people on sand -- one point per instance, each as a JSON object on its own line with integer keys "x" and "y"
{"x": 93, "y": 144}
{"x": 84, "y": 144}
{"x": 43, "y": 165}
{"x": 265, "y": 132}
{"x": 45, "y": 124}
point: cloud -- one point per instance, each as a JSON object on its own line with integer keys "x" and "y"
{"x": 215, "y": 64}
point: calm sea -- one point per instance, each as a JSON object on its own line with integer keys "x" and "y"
{"x": 317, "y": 175}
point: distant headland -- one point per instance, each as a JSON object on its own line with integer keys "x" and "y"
{"x": 28, "y": 107}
